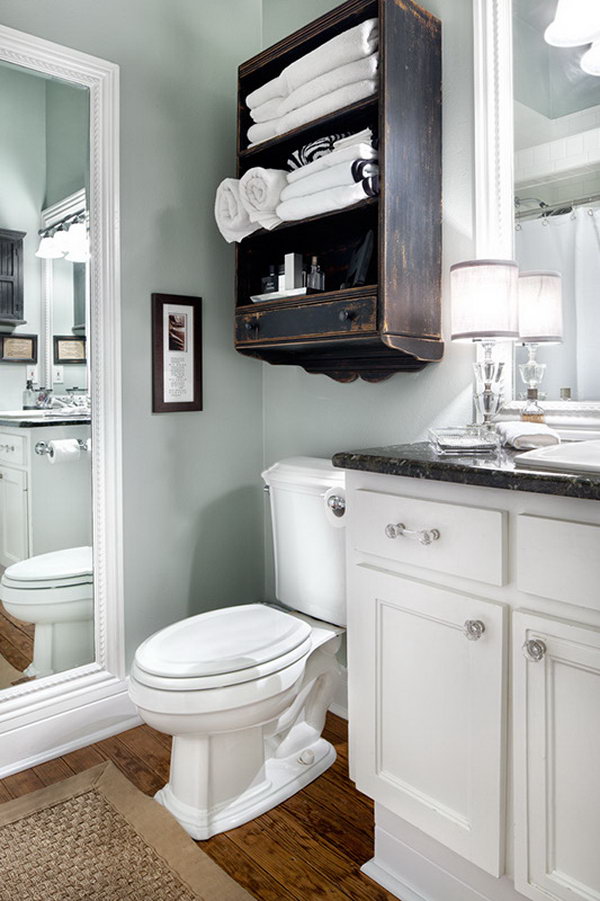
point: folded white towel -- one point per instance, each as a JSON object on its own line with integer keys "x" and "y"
{"x": 358, "y": 70}
{"x": 323, "y": 201}
{"x": 350, "y": 93}
{"x": 328, "y": 160}
{"x": 361, "y": 137}
{"x": 260, "y": 190}
{"x": 352, "y": 44}
{"x": 527, "y": 435}
{"x": 347, "y": 173}
{"x": 230, "y": 213}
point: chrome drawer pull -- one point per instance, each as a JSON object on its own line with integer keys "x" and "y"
{"x": 474, "y": 629}
{"x": 423, "y": 536}
{"x": 534, "y": 650}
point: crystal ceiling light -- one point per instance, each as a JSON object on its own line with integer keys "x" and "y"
{"x": 576, "y": 22}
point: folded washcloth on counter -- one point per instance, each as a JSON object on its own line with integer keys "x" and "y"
{"x": 358, "y": 70}
{"x": 334, "y": 158}
{"x": 328, "y": 200}
{"x": 526, "y": 435}
{"x": 230, "y": 213}
{"x": 346, "y": 173}
{"x": 260, "y": 191}
{"x": 330, "y": 103}
{"x": 353, "y": 44}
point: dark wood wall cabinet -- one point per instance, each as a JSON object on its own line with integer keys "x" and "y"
{"x": 391, "y": 324}
{"x": 11, "y": 277}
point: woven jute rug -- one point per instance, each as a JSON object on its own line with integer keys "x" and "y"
{"x": 95, "y": 837}
{"x": 8, "y": 674}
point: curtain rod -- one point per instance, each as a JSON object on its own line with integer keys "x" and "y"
{"x": 542, "y": 212}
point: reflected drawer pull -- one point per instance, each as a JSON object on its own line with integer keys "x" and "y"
{"x": 251, "y": 326}
{"x": 423, "y": 536}
{"x": 534, "y": 650}
{"x": 474, "y": 629}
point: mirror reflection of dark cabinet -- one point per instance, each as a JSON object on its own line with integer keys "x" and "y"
{"x": 11, "y": 276}
{"x": 79, "y": 291}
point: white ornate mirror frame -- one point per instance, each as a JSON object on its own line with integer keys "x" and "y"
{"x": 494, "y": 181}
{"x": 39, "y": 720}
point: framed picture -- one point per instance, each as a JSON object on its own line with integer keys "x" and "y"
{"x": 69, "y": 349}
{"x": 176, "y": 353}
{"x": 18, "y": 348}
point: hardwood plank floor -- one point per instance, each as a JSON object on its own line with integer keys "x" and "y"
{"x": 310, "y": 847}
{"x": 16, "y": 640}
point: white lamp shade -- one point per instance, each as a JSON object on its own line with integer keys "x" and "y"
{"x": 485, "y": 300}
{"x": 78, "y": 251}
{"x": 590, "y": 61}
{"x": 576, "y": 22}
{"x": 540, "y": 307}
{"x": 48, "y": 249}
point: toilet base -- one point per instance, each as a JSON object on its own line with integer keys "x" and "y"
{"x": 283, "y": 778}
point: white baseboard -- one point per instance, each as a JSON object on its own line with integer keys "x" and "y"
{"x": 59, "y": 733}
{"x": 339, "y": 705}
{"x": 389, "y": 881}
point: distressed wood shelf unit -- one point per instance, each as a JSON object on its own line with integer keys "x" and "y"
{"x": 392, "y": 324}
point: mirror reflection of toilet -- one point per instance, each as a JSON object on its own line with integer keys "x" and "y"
{"x": 244, "y": 690}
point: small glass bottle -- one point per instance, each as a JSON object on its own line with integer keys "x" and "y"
{"x": 29, "y": 396}
{"x": 269, "y": 283}
{"x": 532, "y": 412}
{"x": 281, "y": 277}
{"x": 315, "y": 279}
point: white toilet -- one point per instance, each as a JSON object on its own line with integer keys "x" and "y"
{"x": 244, "y": 690}
{"x": 55, "y": 592}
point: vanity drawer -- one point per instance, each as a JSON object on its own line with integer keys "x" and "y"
{"x": 13, "y": 449}
{"x": 464, "y": 541}
{"x": 319, "y": 320}
{"x": 559, "y": 559}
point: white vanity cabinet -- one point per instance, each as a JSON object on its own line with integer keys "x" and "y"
{"x": 486, "y": 780}
{"x": 43, "y": 507}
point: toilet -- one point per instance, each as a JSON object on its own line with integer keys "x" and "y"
{"x": 244, "y": 690}
{"x": 55, "y": 592}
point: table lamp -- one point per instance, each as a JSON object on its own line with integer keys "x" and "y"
{"x": 540, "y": 319}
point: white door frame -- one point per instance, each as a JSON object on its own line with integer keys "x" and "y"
{"x": 39, "y": 720}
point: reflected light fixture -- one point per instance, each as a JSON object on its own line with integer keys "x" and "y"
{"x": 540, "y": 319}
{"x": 48, "y": 249}
{"x": 576, "y": 22}
{"x": 77, "y": 247}
{"x": 485, "y": 309}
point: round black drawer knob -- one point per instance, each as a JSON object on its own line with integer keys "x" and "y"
{"x": 251, "y": 326}
{"x": 346, "y": 315}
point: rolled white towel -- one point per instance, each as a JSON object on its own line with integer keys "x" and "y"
{"x": 347, "y": 173}
{"x": 230, "y": 214}
{"x": 328, "y": 160}
{"x": 260, "y": 190}
{"x": 325, "y": 201}
{"x": 358, "y": 70}
{"x": 355, "y": 43}
{"x": 526, "y": 435}
{"x": 350, "y": 93}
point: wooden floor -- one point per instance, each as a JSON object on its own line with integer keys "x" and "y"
{"x": 16, "y": 640}
{"x": 309, "y": 847}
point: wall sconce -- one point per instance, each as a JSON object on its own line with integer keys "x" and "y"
{"x": 540, "y": 319}
{"x": 48, "y": 249}
{"x": 485, "y": 309}
{"x": 67, "y": 239}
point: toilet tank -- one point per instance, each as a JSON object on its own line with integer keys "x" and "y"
{"x": 308, "y": 539}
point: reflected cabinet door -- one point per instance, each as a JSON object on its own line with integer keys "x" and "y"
{"x": 13, "y": 516}
{"x": 427, "y": 709}
{"x": 557, "y": 759}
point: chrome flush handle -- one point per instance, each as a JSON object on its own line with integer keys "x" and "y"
{"x": 474, "y": 629}
{"x": 423, "y": 536}
{"x": 534, "y": 650}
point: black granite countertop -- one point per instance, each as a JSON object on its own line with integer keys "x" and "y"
{"x": 50, "y": 422}
{"x": 420, "y": 461}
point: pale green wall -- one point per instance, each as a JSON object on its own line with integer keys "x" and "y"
{"x": 67, "y": 140}
{"x": 309, "y": 414}
{"x": 23, "y": 162}
{"x": 193, "y": 505}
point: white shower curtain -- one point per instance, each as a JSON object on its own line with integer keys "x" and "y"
{"x": 571, "y": 245}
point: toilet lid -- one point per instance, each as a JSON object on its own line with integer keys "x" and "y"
{"x": 67, "y": 566}
{"x": 222, "y": 641}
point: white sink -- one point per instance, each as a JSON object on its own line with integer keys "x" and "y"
{"x": 576, "y": 456}
{"x": 55, "y": 413}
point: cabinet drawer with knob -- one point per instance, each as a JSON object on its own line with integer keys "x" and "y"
{"x": 321, "y": 320}
{"x": 449, "y": 538}
{"x": 12, "y": 449}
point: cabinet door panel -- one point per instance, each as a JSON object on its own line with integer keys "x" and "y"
{"x": 13, "y": 516}
{"x": 557, "y": 753}
{"x": 427, "y": 709}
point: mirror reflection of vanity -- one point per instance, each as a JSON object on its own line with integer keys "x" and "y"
{"x": 557, "y": 198}
{"x": 46, "y": 588}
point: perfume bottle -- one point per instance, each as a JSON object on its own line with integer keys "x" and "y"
{"x": 269, "y": 283}
{"x": 315, "y": 278}
{"x": 29, "y": 396}
{"x": 532, "y": 412}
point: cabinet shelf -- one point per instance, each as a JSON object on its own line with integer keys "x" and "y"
{"x": 311, "y": 220}
{"x": 306, "y": 299}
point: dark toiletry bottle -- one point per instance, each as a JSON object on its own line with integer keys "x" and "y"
{"x": 315, "y": 279}
{"x": 269, "y": 284}
{"x": 281, "y": 277}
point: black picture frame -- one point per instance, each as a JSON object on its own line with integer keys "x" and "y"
{"x": 185, "y": 339}
{"x": 9, "y": 347}
{"x": 65, "y": 357}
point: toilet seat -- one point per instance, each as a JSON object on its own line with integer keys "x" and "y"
{"x": 57, "y": 569}
{"x": 222, "y": 648}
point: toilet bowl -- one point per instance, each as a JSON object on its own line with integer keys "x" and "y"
{"x": 244, "y": 690}
{"x": 54, "y": 592}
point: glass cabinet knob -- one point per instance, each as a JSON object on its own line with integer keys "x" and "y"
{"x": 534, "y": 650}
{"x": 474, "y": 629}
